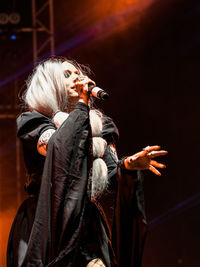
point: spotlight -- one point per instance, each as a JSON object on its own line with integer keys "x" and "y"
{"x": 4, "y": 18}
{"x": 14, "y": 18}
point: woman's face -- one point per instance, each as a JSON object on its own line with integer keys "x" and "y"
{"x": 71, "y": 74}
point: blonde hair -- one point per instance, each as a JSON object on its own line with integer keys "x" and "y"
{"x": 99, "y": 177}
{"x": 46, "y": 89}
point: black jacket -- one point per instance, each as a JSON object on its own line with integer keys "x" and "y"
{"x": 69, "y": 229}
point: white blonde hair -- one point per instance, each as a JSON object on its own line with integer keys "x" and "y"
{"x": 46, "y": 94}
{"x": 46, "y": 89}
{"x": 99, "y": 178}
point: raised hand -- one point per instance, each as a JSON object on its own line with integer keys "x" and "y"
{"x": 143, "y": 160}
{"x": 82, "y": 88}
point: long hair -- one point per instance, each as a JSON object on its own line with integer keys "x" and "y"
{"x": 46, "y": 91}
{"x": 99, "y": 177}
{"x": 46, "y": 94}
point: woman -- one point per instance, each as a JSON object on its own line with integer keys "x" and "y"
{"x": 62, "y": 222}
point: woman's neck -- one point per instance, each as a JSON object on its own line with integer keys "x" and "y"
{"x": 71, "y": 104}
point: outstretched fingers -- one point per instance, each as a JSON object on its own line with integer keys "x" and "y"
{"x": 151, "y": 148}
{"x": 154, "y": 170}
{"x": 154, "y": 154}
{"x": 157, "y": 164}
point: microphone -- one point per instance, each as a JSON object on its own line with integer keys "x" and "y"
{"x": 97, "y": 92}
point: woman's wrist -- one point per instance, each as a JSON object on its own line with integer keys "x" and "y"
{"x": 123, "y": 168}
{"x": 85, "y": 100}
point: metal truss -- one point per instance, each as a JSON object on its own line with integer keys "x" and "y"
{"x": 37, "y": 28}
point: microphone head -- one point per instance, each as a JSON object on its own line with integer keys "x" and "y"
{"x": 103, "y": 95}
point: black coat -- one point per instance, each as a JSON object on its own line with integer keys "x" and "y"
{"x": 68, "y": 229}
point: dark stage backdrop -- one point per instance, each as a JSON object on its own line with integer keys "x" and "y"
{"x": 146, "y": 55}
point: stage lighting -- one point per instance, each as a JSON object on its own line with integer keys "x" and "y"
{"x": 4, "y": 18}
{"x": 14, "y": 18}
{"x": 13, "y": 37}
{"x": 9, "y": 26}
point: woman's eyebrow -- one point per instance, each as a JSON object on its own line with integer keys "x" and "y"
{"x": 67, "y": 70}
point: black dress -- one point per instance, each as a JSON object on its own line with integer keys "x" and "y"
{"x": 63, "y": 227}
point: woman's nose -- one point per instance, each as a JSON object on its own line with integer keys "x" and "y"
{"x": 79, "y": 78}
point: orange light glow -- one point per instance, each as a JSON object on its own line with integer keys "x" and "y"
{"x": 121, "y": 13}
{"x": 6, "y": 219}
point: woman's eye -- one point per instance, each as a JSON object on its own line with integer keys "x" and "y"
{"x": 67, "y": 74}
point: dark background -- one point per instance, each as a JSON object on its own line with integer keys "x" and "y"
{"x": 146, "y": 55}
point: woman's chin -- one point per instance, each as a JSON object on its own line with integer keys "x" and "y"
{"x": 73, "y": 95}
